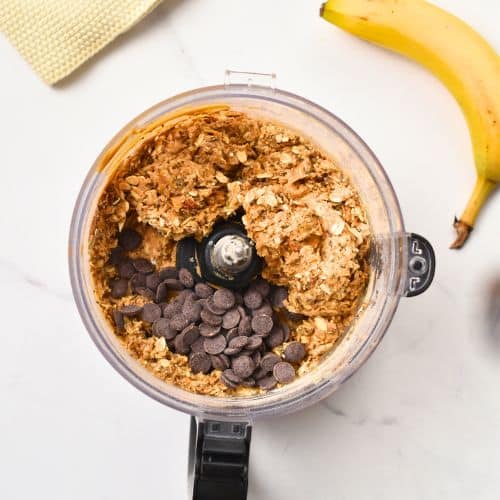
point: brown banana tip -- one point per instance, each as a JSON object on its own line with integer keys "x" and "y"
{"x": 463, "y": 232}
{"x": 322, "y": 9}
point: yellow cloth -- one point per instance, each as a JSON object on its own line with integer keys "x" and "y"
{"x": 57, "y": 36}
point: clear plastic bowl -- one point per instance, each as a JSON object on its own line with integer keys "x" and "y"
{"x": 388, "y": 271}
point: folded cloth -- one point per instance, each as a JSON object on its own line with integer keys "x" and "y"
{"x": 57, "y": 36}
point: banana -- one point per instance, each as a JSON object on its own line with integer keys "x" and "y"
{"x": 457, "y": 55}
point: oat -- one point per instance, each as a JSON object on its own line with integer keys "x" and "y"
{"x": 180, "y": 176}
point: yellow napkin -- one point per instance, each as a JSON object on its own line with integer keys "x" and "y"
{"x": 57, "y": 36}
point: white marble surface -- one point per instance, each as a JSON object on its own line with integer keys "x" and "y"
{"x": 419, "y": 420}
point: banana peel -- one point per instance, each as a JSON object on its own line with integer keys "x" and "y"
{"x": 463, "y": 60}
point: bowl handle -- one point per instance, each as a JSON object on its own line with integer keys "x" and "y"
{"x": 218, "y": 460}
{"x": 421, "y": 265}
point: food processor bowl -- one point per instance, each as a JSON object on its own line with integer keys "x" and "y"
{"x": 402, "y": 264}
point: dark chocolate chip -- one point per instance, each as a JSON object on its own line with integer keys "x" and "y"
{"x": 116, "y": 255}
{"x": 172, "y": 308}
{"x": 238, "y": 298}
{"x": 232, "y": 351}
{"x": 278, "y": 296}
{"x": 294, "y": 352}
{"x": 180, "y": 345}
{"x": 161, "y": 292}
{"x": 230, "y": 375}
{"x": 161, "y": 328}
{"x": 275, "y": 338}
{"x": 293, "y": 316}
{"x": 138, "y": 280}
{"x": 259, "y": 373}
{"x": 248, "y": 382}
{"x": 215, "y": 345}
{"x": 191, "y": 310}
{"x": 243, "y": 366}
{"x": 257, "y": 357}
{"x": 245, "y": 326}
{"x": 267, "y": 383}
{"x": 203, "y": 290}
{"x": 118, "y": 319}
{"x": 243, "y": 312}
{"x": 231, "y": 334}
{"x": 262, "y": 286}
{"x": 262, "y": 324}
{"x": 126, "y": 269}
{"x": 186, "y": 278}
{"x": 284, "y": 372}
{"x": 210, "y": 318}
{"x": 131, "y": 310}
{"x": 143, "y": 265}
{"x": 286, "y": 331}
{"x": 265, "y": 309}
{"x": 173, "y": 284}
{"x": 254, "y": 343}
{"x": 231, "y": 319}
{"x": 207, "y": 330}
{"x": 223, "y": 298}
{"x": 151, "y": 312}
{"x": 268, "y": 361}
{"x": 129, "y": 239}
{"x": 209, "y": 304}
{"x": 227, "y": 382}
{"x": 199, "y": 362}
{"x": 238, "y": 342}
{"x": 146, "y": 292}
{"x": 179, "y": 322}
{"x": 152, "y": 281}
{"x": 191, "y": 334}
{"x": 119, "y": 288}
{"x": 197, "y": 345}
{"x": 183, "y": 295}
{"x": 220, "y": 362}
{"x": 252, "y": 298}
{"x": 168, "y": 273}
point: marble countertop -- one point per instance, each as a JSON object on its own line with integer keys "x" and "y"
{"x": 419, "y": 420}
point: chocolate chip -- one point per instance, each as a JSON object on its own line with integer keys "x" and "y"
{"x": 173, "y": 284}
{"x": 252, "y": 298}
{"x": 267, "y": 383}
{"x": 180, "y": 346}
{"x": 275, "y": 338}
{"x": 215, "y": 345}
{"x": 179, "y": 322}
{"x": 199, "y": 362}
{"x": 245, "y": 326}
{"x": 172, "y": 308}
{"x": 161, "y": 328}
{"x": 286, "y": 331}
{"x": 210, "y": 318}
{"x": 129, "y": 239}
{"x": 191, "y": 334}
{"x": 126, "y": 269}
{"x": 209, "y": 304}
{"x": 265, "y": 309}
{"x": 143, "y": 265}
{"x": 257, "y": 357}
{"x": 238, "y": 342}
{"x": 293, "y": 316}
{"x": 232, "y": 351}
{"x": 116, "y": 255}
{"x": 268, "y": 361}
{"x": 278, "y": 296}
{"x": 238, "y": 298}
{"x": 138, "y": 280}
{"x": 230, "y": 319}
{"x": 168, "y": 273}
{"x": 220, "y": 362}
{"x": 191, "y": 310}
{"x": 203, "y": 290}
{"x": 151, "y": 312}
{"x": 152, "y": 281}
{"x": 284, "y": 372}
{"x": 294, "y": 352}
{"x": 119, "y": 288}
{"x": 259, "y": 373}
{"x": 183, "y": 295}
{"x": 248, "y": 382}
{"x": 242, "y": 311}
{"x": 145, "y": 292}
{"x": 262, "y": 286}
{"x": 223, "y": 298}
{"x": 207, "y": 330}
{"x": 186, "y": 278}
{"x": 118, "y": 319}
{"x": 197, "y": 345}
{"x": 231, "y": 334}
{"x": 254, "y": 343}
{"x": 130, "y": 310}
{"x": 230, "y": 375}
{"x": 262, "y": 324}
{"x": 227, "y": 382}
{"x": 243, "y": 366}
{"x": 161, "y": 292}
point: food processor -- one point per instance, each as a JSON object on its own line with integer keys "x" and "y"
{"x": 401, "y": 265}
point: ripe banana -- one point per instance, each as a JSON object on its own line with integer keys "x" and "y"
{"x": 457, "y": 55}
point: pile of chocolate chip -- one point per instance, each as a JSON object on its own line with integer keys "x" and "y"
{"x": 233, "y": 331}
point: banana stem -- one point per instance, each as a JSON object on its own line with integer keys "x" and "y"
{"x": 483, "y": 188}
